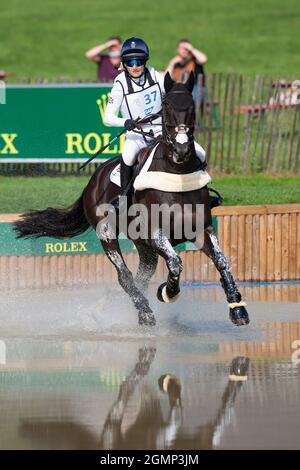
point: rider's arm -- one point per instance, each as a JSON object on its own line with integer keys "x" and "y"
{"x": 113, "y": 107}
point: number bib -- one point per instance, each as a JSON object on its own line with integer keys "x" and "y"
{"x": 144, "y": 102}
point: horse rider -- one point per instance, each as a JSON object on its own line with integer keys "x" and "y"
{"x": 137, "y": 92}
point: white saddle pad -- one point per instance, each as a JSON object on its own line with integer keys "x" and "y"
{"x": 171, "y": 183}
{"x": 162, "y": 181}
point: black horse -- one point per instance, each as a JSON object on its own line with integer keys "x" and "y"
{"x": 172, "y": 156}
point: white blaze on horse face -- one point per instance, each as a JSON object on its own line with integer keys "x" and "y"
{"x": 181, "y": 136}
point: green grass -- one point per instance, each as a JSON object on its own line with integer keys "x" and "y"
{"x": 19, "y": 194}
{"x": 258, "y": 189}
{"x": 48, "y": 38}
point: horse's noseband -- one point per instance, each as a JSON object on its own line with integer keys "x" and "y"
{"x": 172, "y": 113}
{"x": 182, "y": 134}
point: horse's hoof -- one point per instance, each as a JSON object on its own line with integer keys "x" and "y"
{"x": 239, "y": 316}
{"x": 147, "y": 319}
{"x": 163, "y": 296}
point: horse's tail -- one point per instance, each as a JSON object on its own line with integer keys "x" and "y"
{"x": 50, "y": 222}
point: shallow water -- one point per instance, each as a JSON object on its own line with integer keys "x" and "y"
{"x": 76, "y": 372}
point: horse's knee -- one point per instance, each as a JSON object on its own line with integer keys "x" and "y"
{"x": 106, "y": 226}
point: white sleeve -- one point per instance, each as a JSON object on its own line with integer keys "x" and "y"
{"x": 160, "y": 77}
{"x": 113, "y": 107}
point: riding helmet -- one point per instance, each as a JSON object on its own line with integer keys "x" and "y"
{"x": 134, "y": 48}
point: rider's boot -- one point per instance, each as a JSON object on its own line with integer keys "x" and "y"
{"x": 126, "y": 174}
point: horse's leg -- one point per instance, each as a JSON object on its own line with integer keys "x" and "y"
{"x": 168, "y": 291}
{"x": 147, "y": 264}
{"x": 111, "y": 434}
{"x": 112, "y": 250}
{"x": 237, "y": 311}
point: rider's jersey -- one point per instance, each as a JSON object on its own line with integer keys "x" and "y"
{"x": 135, "y": 98}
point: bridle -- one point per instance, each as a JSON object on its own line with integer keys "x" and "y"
{"x": 170, "y": 121}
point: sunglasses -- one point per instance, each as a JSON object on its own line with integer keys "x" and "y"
{"x": 135, "y": 62}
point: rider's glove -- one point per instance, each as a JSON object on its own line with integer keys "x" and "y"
{"x": 130, "y": 124}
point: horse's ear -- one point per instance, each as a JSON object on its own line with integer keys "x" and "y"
{"x": 190, "y": 82}
{"x": 168, "y": 82}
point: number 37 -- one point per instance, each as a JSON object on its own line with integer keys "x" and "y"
{"x": 150, "y": 97}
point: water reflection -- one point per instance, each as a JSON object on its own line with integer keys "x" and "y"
{"x": 172, "y": 393}
{"x": 149, "y": 429}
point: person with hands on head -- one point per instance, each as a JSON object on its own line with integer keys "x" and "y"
{"x": 108, "y": 64}
{"x": 188, "y": 59}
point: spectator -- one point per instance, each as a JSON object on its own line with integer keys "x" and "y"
{"x": 189, "y": 59}
{"x": 107, "y": 63}
{"x": 3, "y": 74}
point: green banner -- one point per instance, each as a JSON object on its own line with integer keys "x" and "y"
{"x": 85, "y": 244}
{"x": 44, "y": 123}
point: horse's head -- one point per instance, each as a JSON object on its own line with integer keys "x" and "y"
{"x": 179, "y": 118}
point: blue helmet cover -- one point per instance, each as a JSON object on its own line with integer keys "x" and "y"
{"x": 134, "y": 48}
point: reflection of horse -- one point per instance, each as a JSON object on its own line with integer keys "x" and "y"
{"x": 149, "y": 429}
{"x": 174, "y": 163}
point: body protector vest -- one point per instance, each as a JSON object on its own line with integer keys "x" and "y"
{"x": 141, "y": 101}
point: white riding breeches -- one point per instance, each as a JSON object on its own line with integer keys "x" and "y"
{"x": 135, "y": 142}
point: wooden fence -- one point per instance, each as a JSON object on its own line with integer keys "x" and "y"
{"x": 261, "y": 242}
{"x": 249, "y": 124}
